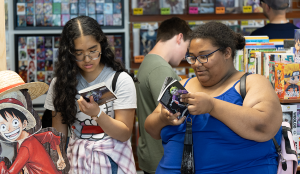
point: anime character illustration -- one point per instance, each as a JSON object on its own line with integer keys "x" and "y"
{"x": 21, "y": 125}
{"x": 291, "y": 78}
{"x": 149, "y": 6}
{"x": 297, "y": 46}
{"x": 174, "y": 5}
{"x": 175, "y": 102}
{"x": 147, "y": 39}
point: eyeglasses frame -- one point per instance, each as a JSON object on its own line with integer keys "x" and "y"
{"x": 88, "y": 56}
{"x": 207, "y": 55}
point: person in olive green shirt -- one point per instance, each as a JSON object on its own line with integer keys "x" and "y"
{"x": 171, "y": 46}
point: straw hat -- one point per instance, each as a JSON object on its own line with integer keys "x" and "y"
{"x": 10, "y": 81}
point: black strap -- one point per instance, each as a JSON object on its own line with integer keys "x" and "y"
{"x": 243, "y": 85}
{"x": 114, "y": 81}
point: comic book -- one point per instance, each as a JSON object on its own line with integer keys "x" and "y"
{"x": 99, "y": 7}
{"x": 56, "y": 20}
{"x": 100, "y": 92}
{"x": 117, "y": 19}
{"x": 200, "y": 6}
{"x": 289, "y": 114}
{"x": 29, "y": 20}
{"x": 227, "y": 6}
{"x": 252, "y": 6}
{"x": 74, "y": 8}
{"x": 91, "y": 8}
{"x": 29, "y": 9}
{"x": 174, "y": 7}
{"x": 150, "y": 7}
{"x": 148, "y": 34}
{"x": 169, "y": 97}
{"x": 56, "y": 8}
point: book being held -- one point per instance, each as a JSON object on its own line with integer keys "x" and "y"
{"x": 100, "y": 92}
{"x": 169, "y": 97}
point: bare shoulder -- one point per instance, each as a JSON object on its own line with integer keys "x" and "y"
{"x": 257, "y": 80}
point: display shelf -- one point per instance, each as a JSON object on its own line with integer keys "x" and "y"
{"x": 289, "y": 101}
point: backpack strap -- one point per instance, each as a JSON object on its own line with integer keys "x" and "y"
{"x": 243, "y": 85}
{"x": 114, "y": 81}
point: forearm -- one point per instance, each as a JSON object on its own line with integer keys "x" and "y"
{"x": 254, "y": 123}
{"x": 58, "y": 125}
{"x": 154, "y": 124}
{"x": 114, "y": 128}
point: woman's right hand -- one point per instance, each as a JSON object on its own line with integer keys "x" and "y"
{"x": 169, "y": 118}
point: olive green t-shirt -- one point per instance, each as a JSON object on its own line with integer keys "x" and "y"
{"x": 151, "y": 75}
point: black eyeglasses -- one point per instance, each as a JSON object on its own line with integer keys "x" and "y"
{"x": 201, "y": 58}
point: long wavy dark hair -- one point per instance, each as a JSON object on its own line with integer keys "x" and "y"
{"x": 66, "y": 68}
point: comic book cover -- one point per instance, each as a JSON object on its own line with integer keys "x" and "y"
{"x": 47, "y": 8}
{"x": 82, "y": 0}
{"x": 39, "y": 20}
{"x": 108, "y": 1}
{"x": 100, "y": 1}
{"x": 30, "y": 9}
{"x": 169, "y": 97}
{"x": 175, "y": 6}
{"x": 40, "y": 42}
{"x": 231, "y": 6}
{"x": 110, "y": 40}
{"x": 21, "y": 8}
{"x": 22, "y": 54}
{"x": 117, "y": 19}
{"x": 40, "y": 75}
{"x": 64, "y": 19}
{"x": 100, "y": 19}
{"x": 48, "y": 42}
{"x": 40, "y": 1}
{"x": 108, "y": 8}
{"x": 91, "y": 8}
{"x": 149, "y": 7}
{"x": 65, "y": 8}
{"x": 22, "y": 42}
{"x": 117, "y": 8}
{"x": 49, "y": 77}
{"x": 297, "y": 22}
{"x": 118, "y": 53}
{"x": 73, "y": 1}
{"x": 297, "y": 45}
{"x": 56, "y": 8}
{"x": 73, "y": 16}
{"x": 99, "y": 7}
{"x": 31, "y": 54}
{"x": 56, "y": 42}
{"x": 29, "y": 1}
{"x": 48, "y": 20}
{"x": 147, "y": 39}
{"x": 49, "y": 65}
{"x": 40, "y": 53}
{"x": 66, "y": 1}
{"x": 29, "y": 21}
{"x": 108, "y": 20}
{"x": 41, "y": 65}
{"x": 30, "y": 42}
{"x": 82, "y": 8}
{"x": 254, "y": 4}
{"x": 21, "y": 20}
{"x": 39, "y": 8}
{"x": 56, "y": 20}
{"x": 289, "y": 114}
{"x": 23, "y": 70}
{"x": 93, "y": 16}
{"x": 74, "y": 8}
{"x": 31, "y": 71}
{"x": 291, "y": 80}
{"x": 49, "y": 53}
{"x": 56, "y": 1}
{"x": 272, "y": 73}
{"x": 91, "y": 0}
{"x": 47, "y": 1}
{"x": 118, "y": 41}
{"x": 206, "y": 6}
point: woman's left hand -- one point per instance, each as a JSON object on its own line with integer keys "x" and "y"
{"x": 199, "y": 102}
{"x": 89, "y": 108}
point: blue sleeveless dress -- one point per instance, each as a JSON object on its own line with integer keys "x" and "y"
{"x": 217, "y": 149}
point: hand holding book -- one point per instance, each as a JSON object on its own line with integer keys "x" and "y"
{"x": 90, "y": 108}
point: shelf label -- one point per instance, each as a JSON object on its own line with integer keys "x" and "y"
{"x": 136, "y": 25}
{"x": 244, "y": 22}
{"x": 165, "y": 11}
{"x": 138, "y": 59}
{"x": 192, "y": 23}
{"x": 220, "y": 10}
{"x": 138, "y": 11}
{"x": 247, "y": 9}
{"x": 193, "y": 10}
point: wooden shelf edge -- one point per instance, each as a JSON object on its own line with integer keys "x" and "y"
{"x": 298, "y": 168}
{"x": 289, "y": 100}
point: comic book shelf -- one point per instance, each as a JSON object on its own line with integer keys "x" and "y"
{"x": 293, "y": 13}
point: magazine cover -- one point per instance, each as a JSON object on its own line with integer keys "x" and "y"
{"x": 175, "y": 6}
{"x": 170, "y": 97}
{"x": 101, "y": 94}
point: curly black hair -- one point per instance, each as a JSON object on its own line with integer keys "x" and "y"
{"x": 66, "y": 68}
{"x": 220, "y": 36}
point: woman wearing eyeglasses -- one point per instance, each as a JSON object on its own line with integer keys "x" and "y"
{"x": 230, "y": 135}
{"x": 99, "y": 141}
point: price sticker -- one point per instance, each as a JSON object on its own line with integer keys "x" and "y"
{"x": 138, "y": 59}
{"x": 244, "y": 22}
{"x": 193, "y": 10}
{"x": 138, "y": 11}
{"x": 220, "y": 10}
{"x": 192, "y": 23}
{"x": 247, "y": 9}
{"x": 165, "y": 11}
{"x": 136, "y": 25}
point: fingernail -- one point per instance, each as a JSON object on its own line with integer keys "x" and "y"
{"x": 180, "y": 100}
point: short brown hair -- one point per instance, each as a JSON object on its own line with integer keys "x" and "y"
{"x": 171, "y": 27}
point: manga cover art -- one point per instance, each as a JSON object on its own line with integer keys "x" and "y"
{"x": 49, "y": 54}
{"x": 40, "y": 53}
{"x": 99, "y": 7}
{"x": 48, "y": 42}
{"x": 117, "y": 8}
{"x": 91, "y": 8}
{"x": 39, "y": 9}
{"x": 291, "y": 79}
{"x": 39, "y": 20}
{"x": 117, "y": 19}
{"x": 56, "y": 8}
{"x": 40, "y": 75}
{"x": 47, "y": 8}
{"x": 35, "y": 150}
{"x": 175, "y": 6}
{"x": 41, "y": 65}
{"x": 108, "y": 8}
{"x": 108, "y": 20}
{"x": 31, "y": 54}
{"x": 64, "y": 19}
{"x": 149, "y": 7}
{"x": 40, "y": 42}
{"x": 82, "y": 8}
{"x": 56, "y": 20}
{"x": 56, "y": 42}
{"x": 23, "y": 70}
{"x": 65, "y": 8}
{"x": 297, "y": 45}
{"x": 74, "y": 8}
{"x": 255, "y": 4}
{"x": 231, "y": 6}
{"x": 100, "y": 19}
